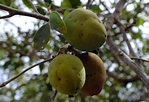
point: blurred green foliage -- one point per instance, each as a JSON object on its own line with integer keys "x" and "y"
{"x": 16, "y": 53}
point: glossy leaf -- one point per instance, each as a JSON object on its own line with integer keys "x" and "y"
{"x": 57, "y": 23}
{"x": 42, "y": 37}
{"x": 41, "y": 10}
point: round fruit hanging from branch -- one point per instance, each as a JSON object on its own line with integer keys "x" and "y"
{"x": 81, "y": 72}
{"x": 84, "y": 30}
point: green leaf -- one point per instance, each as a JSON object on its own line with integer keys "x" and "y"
{"x": 137, "y": 35}
{"x": 49, "y": 86}
{"x": 27, "y": 3}
{"x": 75, "y": 3}
{"x": 147, "y": 42}
{"x": 57, "y": 23}
{"x": 6, "y": 2}
{"x": 66, "y": 3}
{"x": 7, "y": 63}
{"x": 146, "y": 47}
{"x": 96, "y": 9}
{"x": 41, "y": 10}
{"x": 62, "y": 38}
{"x": 140, "y": 21}
{"x": 2, "y": 54}
{"x": 41, "y": 67}
{"x": 42, "y": 37}
{"x": 48, "y": 1}
{"x": 70, "y": 3}
{"x": 66, "y": 12}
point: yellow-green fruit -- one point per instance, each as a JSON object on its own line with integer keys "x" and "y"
{"x": 84, "y": 30}
{"x": 95, "y": 74}
{"x": 67, "y": 74}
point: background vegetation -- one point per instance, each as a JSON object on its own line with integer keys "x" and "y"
{"x": 125, "y": 54}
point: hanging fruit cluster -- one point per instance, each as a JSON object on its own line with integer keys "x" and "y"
{"x": 82, "y": 72}
{"x": 85, "y": 72}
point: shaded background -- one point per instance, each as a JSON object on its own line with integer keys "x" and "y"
{"x": 17, "y": 53}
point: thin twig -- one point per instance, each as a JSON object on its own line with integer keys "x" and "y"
{"x": 54, "y": 96}
{"x": 13, "y": 12}
{"x": 126, "y": 39}
{"x": 123, "y": 80}
{"x": 122, "y": 29}
{"x": 106, "y": 7}
{"x": 127, "y": 28}
{"x": 88, "y": 4}
{"x": 34, "y": 8}
{"x": 21, "y": 73}
{"x": 144, "y": 60}
{"x": 117, "y": 51}
{"x": 124, "y": 58}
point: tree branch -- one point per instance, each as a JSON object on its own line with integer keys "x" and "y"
{"x": 123, "y": 80}
{"x": 88, "y": 4}
{"x": 13, "y": 78}
{"x": 140, "y": 59}
{"x": 117, "y": 51}
{"x": 122, "y": 30}
{"x": 126, "y": 39}
{"x": 13, "y": 12}
{"x": 54, "y": 96}
{"x": 114, "y": 49}
{"x": 128, "y": 27}
{"x": 119, "y": 7}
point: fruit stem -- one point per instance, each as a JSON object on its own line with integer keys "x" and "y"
{"x": 73, "y": 50}
{"x": 54, "y": 95}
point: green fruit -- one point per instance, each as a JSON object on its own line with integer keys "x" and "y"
{"x": 66, "y": 74}
{"x": 95, "y": 74}
{"x": 84, "y": 30}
